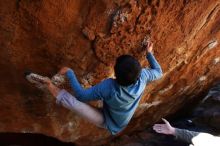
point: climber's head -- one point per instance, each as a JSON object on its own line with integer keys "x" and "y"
{"x": 127, "y": 70}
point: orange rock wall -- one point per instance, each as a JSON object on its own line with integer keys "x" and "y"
{"x": 87, "y": 35}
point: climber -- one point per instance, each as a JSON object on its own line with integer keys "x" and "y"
{"x": 196, "y": 138}
{"x": 120, "y": 96}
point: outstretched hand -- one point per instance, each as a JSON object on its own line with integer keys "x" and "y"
{"x": 63, "y": 70}
{"x": 149, "y": 47}
{"x": 164, "y": 128}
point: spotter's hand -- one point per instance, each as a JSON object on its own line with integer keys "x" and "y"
{"x": 164, "y": 128}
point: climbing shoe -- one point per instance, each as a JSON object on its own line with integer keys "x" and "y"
{"x": 38, "y": 80}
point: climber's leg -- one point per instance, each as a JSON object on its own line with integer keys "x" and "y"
{"x": 84, "y": 110}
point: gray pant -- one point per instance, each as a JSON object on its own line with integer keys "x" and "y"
{"x": 82, "y": 109}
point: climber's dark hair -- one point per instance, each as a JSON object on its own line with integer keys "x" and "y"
{"x": 127, "y": 70}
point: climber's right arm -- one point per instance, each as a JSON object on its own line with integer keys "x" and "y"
{"x": 155, "y": 71}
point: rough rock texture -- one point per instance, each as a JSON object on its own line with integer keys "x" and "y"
{"x": 87, "y": 36}
{"x": 208, "y": 112}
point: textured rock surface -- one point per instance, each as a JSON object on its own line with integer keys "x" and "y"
{"x": 87, "y": 36}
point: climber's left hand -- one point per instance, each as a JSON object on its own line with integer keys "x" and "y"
{"x": 63, "y": 70}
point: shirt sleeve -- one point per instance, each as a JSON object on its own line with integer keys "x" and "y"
{"x": 152, "y": 73}
{"x": 185, "y": 135}
{"x": 97, "y": 92}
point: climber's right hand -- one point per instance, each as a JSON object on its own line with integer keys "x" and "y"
{"x": 63, "y": 70}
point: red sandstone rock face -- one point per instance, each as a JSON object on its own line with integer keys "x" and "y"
{"x": 87, "y": 36}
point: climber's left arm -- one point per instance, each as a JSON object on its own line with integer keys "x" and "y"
{"x": 97, "y": 92}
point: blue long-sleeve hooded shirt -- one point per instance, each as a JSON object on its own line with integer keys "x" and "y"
{"x": 119, "y": 102}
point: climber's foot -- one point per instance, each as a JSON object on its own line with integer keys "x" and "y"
{"x": 40, "y": 81}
